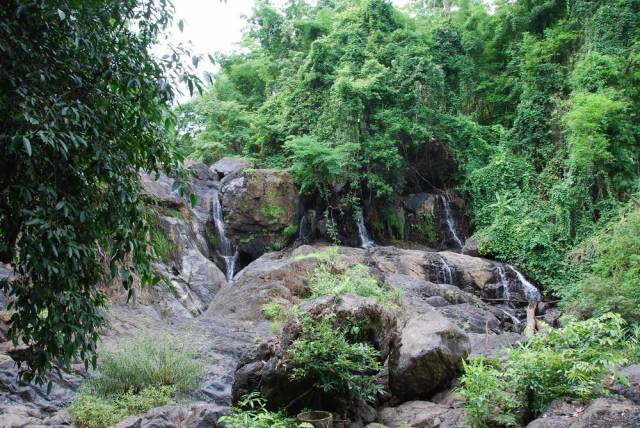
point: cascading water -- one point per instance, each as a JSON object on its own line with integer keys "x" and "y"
{"x": 443, "y": 272}
{"x": 365, "y": 241}
{"x": 512, "y": 317}
{"x": 304, "y": 229}
{"x": 530, "y": 291}
{"x": 451, "y": 221}
{"x": 226, "y": 248}
{"x": 504, "y": 283}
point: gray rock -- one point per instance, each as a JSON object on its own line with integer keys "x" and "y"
{"x": 226, "y": 167}
{"x": 422, "y": 414}
{"x": 427, "y": 356}
{"x": 199, "y": 415}
{"x": 607, "y": 412}
{"x": 493, "y": 345}
{"x": 198, "y": 169}
{"x": 160, "y": 188}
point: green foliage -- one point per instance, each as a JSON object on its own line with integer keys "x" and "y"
{"x": 162, "y": 246}
{"x": 610, "y": 261}
{"x": 323, "y": 355}
{"x": 251, "y": 412}
{"x": 84, "y": 106}
{"x": 274, "y": 311}
{"x": 289, "y": 232}
{"x": 574, "y": 361}
{"x": 425, "y": 229}
{"x": 327, "y": 280}
{"x": 90, "y": 411}
{"x": 148, "y": 360}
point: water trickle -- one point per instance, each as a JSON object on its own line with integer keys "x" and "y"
{"x": 504, "y": 283}
{"x": 531, "y": 292}
{"x": 365, "y": 241}
{"x": 226, "y": 248}
{"x": 451, "y": 221}
{"x": 511, "y": 316}
{"x": 304, "y": 229}
{"x": 443, "y": 272}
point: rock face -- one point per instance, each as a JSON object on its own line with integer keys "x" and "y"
{"x": 427, "y": 357}
{"x": 261, "y": 208}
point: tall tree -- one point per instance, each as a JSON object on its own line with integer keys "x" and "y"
{"x": 83, "y": 107}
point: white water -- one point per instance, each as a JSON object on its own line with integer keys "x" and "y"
{"x": 365, "y": 241}
{"x": 504, "y": 283}
{"x": 303, "y": 228}
{"x": 444, "y": 273}
{"x": 226, "y": 248}
{"x": 513, "y": 318}
{"x": 531, "y": 292}
{"x": 451, "y": 221}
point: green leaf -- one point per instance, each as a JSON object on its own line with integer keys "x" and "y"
{"x": 27, "y": 145}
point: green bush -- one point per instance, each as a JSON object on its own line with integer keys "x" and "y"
{"x": 147, "y": 361}
{"x": 251, "y": 412}
{"x": 574, "y": 361}
{"x": 326, "y": 280}
{"x": 274, "y": 311}
{"x": 91, "y": 411}
{"x": 323, "y": 355}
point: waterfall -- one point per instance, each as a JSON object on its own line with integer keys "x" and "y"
{"x": 304, "y": 229}
{"x": 530, "y": 290}
{"x": 226, "y": 248}
{"x": 451, "y": 221}
{"x": 504, "y": 283}
{"x": 365, "y": 241}
{"x": 443, "y": 272}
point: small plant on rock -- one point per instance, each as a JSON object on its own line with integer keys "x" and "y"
{"x": 323, "y": 355}
{"x": 251, "y": 412}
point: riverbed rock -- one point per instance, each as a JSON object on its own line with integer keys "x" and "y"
{"x": 261, "y": 210}
{"x": 422, "y": 414}
{"x": 199, "y": 170}
{"x": 199, "y": 415}
{"x": 427, "y": 356}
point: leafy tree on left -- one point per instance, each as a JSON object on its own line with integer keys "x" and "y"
{"x": 84, "y": 106}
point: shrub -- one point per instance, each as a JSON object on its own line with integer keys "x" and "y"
{"x": 290, "y": 231}
{"x": 274, "y": 311}
{"x": 251, "y": 412}
{"x": 324, "y": 280}
{"x": 91, "y": 411}
{"x": 147, "y": 361}
{"x": 324, "y": 355}
{"x": 575, "y": 361}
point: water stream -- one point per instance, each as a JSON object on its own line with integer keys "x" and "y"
{"x": 504, "y": 283}
{"x": 365, "y": 240}
{"x": 443, "y": 272}
{"x": 451, "y": 221}
{"x": 530, "y": 291}
{"x": 226, "y": 248}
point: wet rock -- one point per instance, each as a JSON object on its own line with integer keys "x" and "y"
{"x": 421, "y": 218}
{"x": 422, "y": 414}
{"x": 229, "y": 167}
{"x": 261, "y": 210}
{"x": 470, "y": 247}
{"x": 631, "y": 391}
{"x": 427, "y": 356}
{"x": 471, "y": 319}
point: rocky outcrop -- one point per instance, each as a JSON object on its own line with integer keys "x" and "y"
{"x": 199, "y": 415}
{"x": 261, "y": 209}
{"x": 427, "y": 357}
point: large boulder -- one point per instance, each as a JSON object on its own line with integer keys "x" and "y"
{"x": 229, "y": 167}
{"x": 199, "y": 415}
{"x": 422, "y": 414}
{"x": 427, "y": 356}
{"x": 261, "y": 210}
